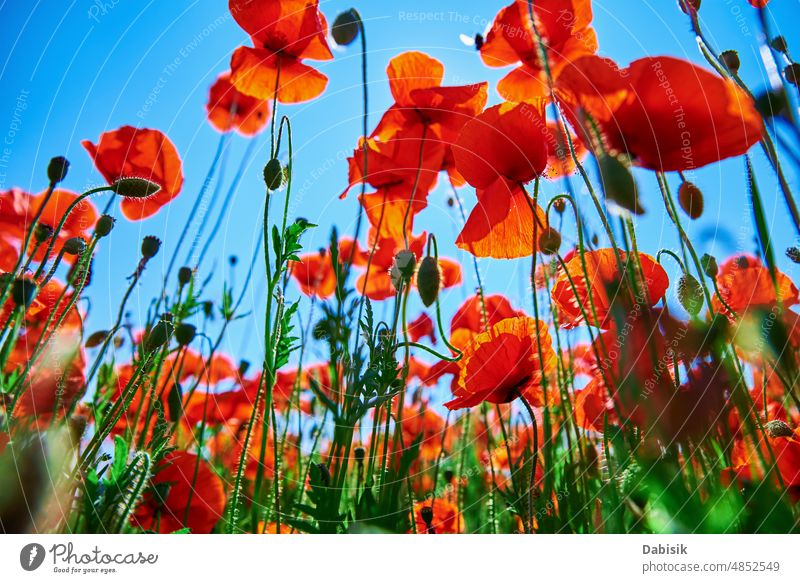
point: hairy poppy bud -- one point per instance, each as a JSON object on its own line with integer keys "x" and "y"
{"x": 359, "y": 453}
{"x": 731, "y": 61}
{"x": 96, "y": 339}
{"x": 185, "y": 333}
{"x": 619, "y": 184}
{"x": 345, "y": 28}
{"x": 777, "y": 428}
{"x": 690, "y": 294}
{"x": 104, "y": 225}
{"x": 43, "y": 232}
{"x": 560, "y": 205}
{"x": 74, "y": 246}
{"x": 429, "y": 280}
{"x": 273, "y": 174}
{"x": 159, "y": 334}
{"x": 23, "y": 291}
{"x": 779, "y": 44}
{"x": 550, "y": 241}
{"x": 403, "y": 267}
{"x": 57, "y": 169}
{"x": 691, "y": 199}
{"x": 150, "y": 246}
{"x": 184, "y": 275}
{"x": 792, "y": 73}
{"x": 135, "y": 187}
{"x": 793, "y": 253}
{"x": 709, "y": 265}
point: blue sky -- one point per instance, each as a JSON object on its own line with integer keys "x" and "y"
{"x": 73, "y": 69}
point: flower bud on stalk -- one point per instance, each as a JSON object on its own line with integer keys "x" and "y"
{"x": 709, "y": 265}
{"x": 779, "y": 44}
{"x": 184, "y": 275}
{"x": 57, "y": 169}
{"x": 273, "y": 174}
{"x": 793, "y": 253}
{"x": 550, "y": 241}
{"x": 96, "y": 339}
{"x": 74, "y": 246}
{"x": 150, "y": 246}
{"x": 23, "y": 291}
{"x": 104, "y": 225}
{"x": 405, "y": 263}
{"x": 690, "y": 294}
{"x": 185, "y": 333}
{"x": 619, "y": 184}
{"x": 429, "y": 280}
{"x": 731, "y": 61}
{"x": 134, "y": 187}
{"x": 159, "y": 334}
{"x": 691, "y": 199}
{"x": 42, "y": 233}
{"x": 345, "y": 28}
{"x": 792, "y": 73}
{"x": 777, "y": 428}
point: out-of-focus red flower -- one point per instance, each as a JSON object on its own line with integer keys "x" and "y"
{"x": 564, "y": 26}
{"x": 314, "y": 272}
{"x": 745, "y": 283}
{"x": 230, "y": 109}
{"x": 758, "y": 3}
{"x": 186, "y": 492}
{"x": 284, "y": 33}
{"x": 442, "y": 517}
{"x": 422, "y": 327}
{"x": 470, "y": 315}
{"x": 424, "y": 421}
{"x": 143, "y": 153}
{"x": 666, "y": 113}
{"x": 606, "y": 287}
{"x": 503, "y": 363}
{"x": 785, "y": 447}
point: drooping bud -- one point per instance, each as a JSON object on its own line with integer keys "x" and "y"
{"x": 777, "y": 428}
{"x": 104, "y": 225}
{"x": 57, "y": 169}
{"x": 550, "y": 241}
{"x": 345, "y": 28}
{"x": 730, "y": 59}
{"x": 185, "y": 333}
{"x": 184, "y": 275}
{"x": 135, "y": 187}
{"x": 150, "y": 246}
{"x": 709, "y": 265}
{"x": 159, "y": 334}
{"x": 429, "y": 280}
{"x": 619, "y": 184}
{"x": 560, "y": 205}
{"x": 690, "y": 294}
{"x": 23, "y": 291}
{"x": 273, "y": 174}
{"x": 96, "y": 339}
{"x": 74, "y": 246}
{"x": 690, "y": 197}
{"x": 42, "y": 233}
{"x": 792, "y": 73}
{"x": 793, "y": 253}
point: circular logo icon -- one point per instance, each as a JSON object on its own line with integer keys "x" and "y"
{"x": 31, "y": 556}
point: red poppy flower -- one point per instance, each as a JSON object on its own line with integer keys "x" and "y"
{"x": 230, "y": 109}
{"x": 470, "y": 315}
{"x": 564, "y": 26}
{"x": 745, "y": 283}
{"x": 503, "y": 363}
{"x": 142, "y": 153}
{"x": 314, "y": 272}
{"x": 666, "y": 113}
{"x": 186, "y": 492}
{"x": 284, "y": 33}
{"x": 604, "y": 288}
{"x": 437, "y": 516}
{"x": 427, "y": 423}
{"x": 758, "y": 3}
{"x": 422, "y": 327}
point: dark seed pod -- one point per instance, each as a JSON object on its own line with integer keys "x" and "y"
{"x": 158, "y": 335}
{"x": 96, "y": 339}
{"x": 185, "y": 333}
{"x": 690, "y": 197}
{"x": 135, "y": 187}
{"x": 550, "y": 241}
{"x": 184, "y": 275}
{"x": 74, "y": 246}
{"x": 690, "y": 294}
{"x": 359, "y": 453}
{"x": 792, "y": 73}
{"x": 793, "y": 253}
{"x": 150, "y": 246}
{"x": 777, "y": 428}
{"x": 779, "y": 44}
{"x": 23, "y": 291}
{"x": 104, "y": 225}
{"x": 731, "y": 60}
{"x": 619, "y": 184}
{"x": 345, "y": 28}
{"x": 429, "y": 280}
{"x": 426, "y": 514}
{"x": 709, "y": 265}
{"x": 273, "y": 174}
{"x": 57, "y": 169}
{"x": 42, "y": 233}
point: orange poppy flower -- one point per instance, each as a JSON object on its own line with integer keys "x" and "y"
{"x": 603, "y": 288}
{"x": 230, "y": 109}
{"x": 745, "y": 283}
{"x": 437, "y": 516}
{"x": 564, "y": 26}
{"x": 284, "y": 33}
{"x": 559, "y": 158}
{"x": 503, "y": 363}
{"x": 424, "y": 421}
{"x": 666, "y": 113}
{"x": 186, "y": 492}
{"x": 470, "y": 315}
{"x": 142, "y": 153}
{"x": 422, "y": 327}
{"x": 758, "y": 3}
{"x": 314, "y": 272}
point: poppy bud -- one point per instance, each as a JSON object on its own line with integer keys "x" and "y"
{"x": 159, "y": 334}
{"x": 792, "y": 73}
{"x": 345, "y": 28}
{"x": 42, "y": 232}
{"x": 403, "y": 268}
{"x": 185, "y": 333}
{"x": 23, "y": 291}
{"x": 560, "y": 205}
{"x": 358, "y": 453}
{"x": 150, "y": 246}
{"x": 426, "y": 514}
{"x": 731, "y": 61}
{"x": 691, "y": 199}
{"x": 619, "y": 184}
{"x": 479, "y": 41}
{"x": 244, "y": 365}
{"x": 693, "y": 5}
{"x": 777, "y": 428}
{"x": 709, "y": 265}
{"x": 208, "y": 308}
{"x": 135, "y": 187}
{"x": 57, "y": 169}
{"x": 779, "y": 44}
{"x": 184, "y": 275}
{"x": 793, "y": 253}
{"x": 104, "y": 225}
{"x": 550, "y": 241}
{"x": 690, "y": 294}
{"x": 429, "y": 280}
{"x": 273, "y": 174}
{"x": 96, "y": 339}
{"x": 74, "y": 246}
